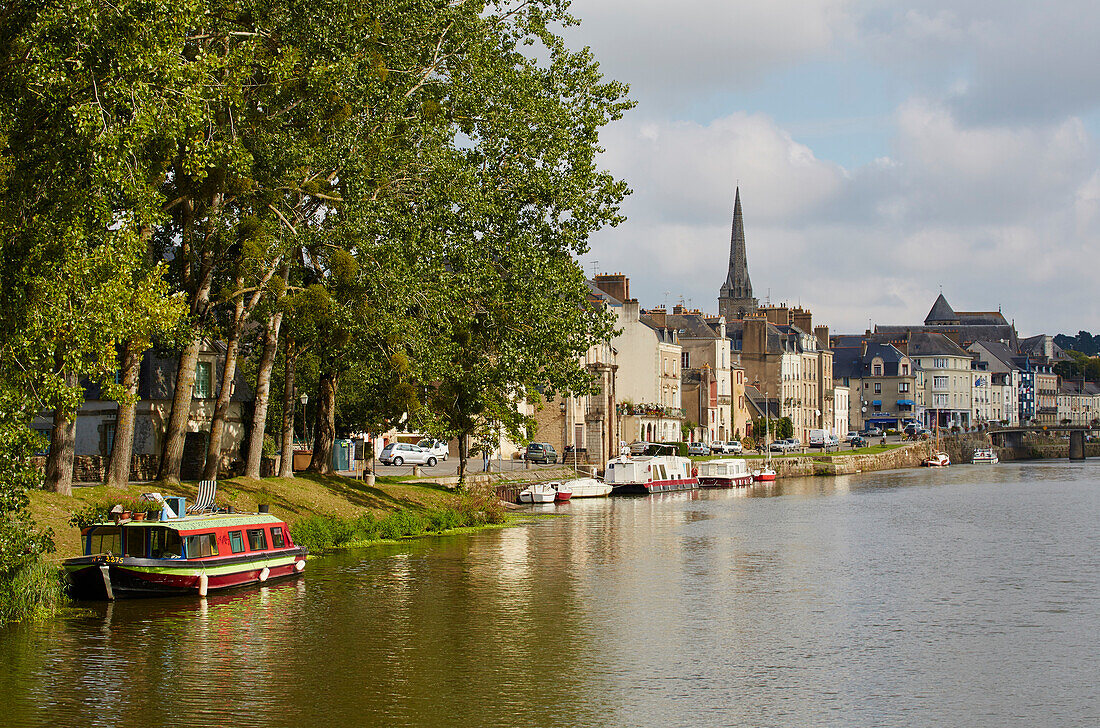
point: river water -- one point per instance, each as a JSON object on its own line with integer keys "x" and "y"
{"x": 964, "y": 597}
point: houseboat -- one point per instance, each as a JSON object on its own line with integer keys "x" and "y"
{"x": 724, "y": 473}
{"x": 189, "y": 555}
{"x": 650, "y": 474}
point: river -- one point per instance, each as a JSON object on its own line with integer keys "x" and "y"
{"x": 960, "y": 597}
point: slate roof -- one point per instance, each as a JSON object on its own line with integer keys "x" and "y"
{"x": 690, "y": 325}
{"x": 1000, "y": 356}
{"x": 924, "y": 343}
{"x": 941, "y": 313}
{"x": 755, "y": 398}
{"x": 850, "y": 361}
{"x": 964, "y": 334}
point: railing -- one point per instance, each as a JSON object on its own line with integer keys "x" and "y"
{"x": 647, "y": 410}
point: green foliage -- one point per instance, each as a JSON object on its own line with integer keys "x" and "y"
{"x": 35, "y": 590}
{"x": 269, "y": 449}
{"x": 681, "y": 447}
{"x": 321, "y": 533}
{"x": 784, "y": 428}
{"x": 21, "y": 544}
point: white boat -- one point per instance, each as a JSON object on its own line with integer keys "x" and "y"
{"x": 764, "y": 474}
{"x": 937, "y": 460}
{"x": 985, "y": 455}
{"x": 562, "y": 491}
{"x": 650, "y": 474}
{"x": 539, "y": 493}
{"x": 724, "y": 473}
{"x": 587, "y": 487}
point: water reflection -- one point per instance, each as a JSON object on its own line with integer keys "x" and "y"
{"x": 966, "y": 596}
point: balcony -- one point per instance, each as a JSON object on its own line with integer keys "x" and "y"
{"x": 648, "y": 410}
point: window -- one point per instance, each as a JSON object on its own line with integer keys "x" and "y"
{"x": 877, "y": 370}
{"x": 165, "y": 544}
{"x": 939, "y": 382}
{"x": 939, "y": 363}
{"x": 135, "y": 541}
{"x": 257, "y": 539}
{"x": 878, "y": 387}
{"x": 105, "y": 540}
{"x": 905, "y": 369}
{"x": 277, "y": 540}
{"x": 236, "y": 542}
{"x": 202, "y": 380}
{"x": 685, "y": 359}
{"x": 903, "y": 387}
{"x": 108, "y": 437}
{"x": 201, "y": 545}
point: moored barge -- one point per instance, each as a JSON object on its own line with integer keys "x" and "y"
{"x": 650, "y": 474}
{"x": 724, "y": 473}
{"x": 189, "y": 555}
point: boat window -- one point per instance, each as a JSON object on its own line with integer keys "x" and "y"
{"x": 165, "y": 544}
{"x": 135, "y": 541}
{"x": 257, "y": 539}
{"x": 105, "y": 540}
{"x": 236, "y": 542}
{"x": 277, "y": 540}
{"x": 201, "y": 545}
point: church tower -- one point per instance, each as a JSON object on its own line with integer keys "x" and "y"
{"x": 735, "y": 299}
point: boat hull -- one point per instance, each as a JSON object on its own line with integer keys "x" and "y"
{"x": 115, "y": 577}
{"x": 763, "y": 477}
{"x": 588, "y": 488}
{"x": 657, "y": 486}
{"x": 718, "y": 481}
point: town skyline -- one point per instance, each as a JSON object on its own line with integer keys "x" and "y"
{"x": 885, "y": 154}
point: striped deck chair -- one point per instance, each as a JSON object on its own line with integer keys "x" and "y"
{"x": 204, "y": 501}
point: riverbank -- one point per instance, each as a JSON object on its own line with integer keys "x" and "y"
{"x": 292, "y": 499}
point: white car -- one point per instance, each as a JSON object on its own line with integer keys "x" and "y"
{"x": 399, "y": 453}
{"x": 728, "y": 447}
{"x": 436, "y": 447}
{"x": 698, "y": 448}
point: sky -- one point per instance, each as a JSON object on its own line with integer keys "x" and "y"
{"x": 885, "y": 151}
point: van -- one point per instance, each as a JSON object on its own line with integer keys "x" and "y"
{"x": 818, "y": 438}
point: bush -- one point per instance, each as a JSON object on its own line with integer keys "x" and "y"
{"x": 35, "y": 590}
{"x": 681, "y": 448}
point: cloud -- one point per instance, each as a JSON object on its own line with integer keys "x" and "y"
{"x": 986, "y": 212}
{"x": 674, "y": 51}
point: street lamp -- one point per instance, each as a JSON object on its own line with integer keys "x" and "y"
{"x": 303, "y": 399}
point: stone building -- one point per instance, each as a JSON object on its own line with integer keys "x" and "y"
{"x": 886, "y": 386}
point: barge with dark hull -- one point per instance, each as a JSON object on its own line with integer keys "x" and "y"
{"x": 180, "y": 556}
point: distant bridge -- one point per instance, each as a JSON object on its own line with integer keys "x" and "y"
{"x": 1013, "y": 437}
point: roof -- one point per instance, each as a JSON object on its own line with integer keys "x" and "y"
{"x": 206, "y": 520}
{"x": 755, "y": 399}
{"x": 923, "y": 343}
{"x": 963, "y": 333}
{"x": 690, "y": 326}
{"x": 596, "y": 293}
{"x": 941, "y": 313}
{"x": 999, "y": 355}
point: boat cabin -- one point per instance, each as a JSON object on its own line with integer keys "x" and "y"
{"x": 190, "y": 538}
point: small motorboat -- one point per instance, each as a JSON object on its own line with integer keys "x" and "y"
{"x": 763, "y": 475}
{"x": 539, "y": 493}
{"x": 985, "y": 456}
{"x": 936, "y": 460}
{"x": 563, "y": 492}
{"x": 587, "y": 487}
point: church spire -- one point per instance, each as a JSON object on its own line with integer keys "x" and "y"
{"x": 735, "y": 296}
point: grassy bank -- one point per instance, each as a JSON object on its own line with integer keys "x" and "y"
{"x": 33, "y": 592}
{"x": 292, "y": 499}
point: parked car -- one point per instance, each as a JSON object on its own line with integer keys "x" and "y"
{"x": 436, "y": 447}
{"x": 698, "y": 448}
{"x": 728, "y": 447}
{"x": 399, "y": 453}
{"x": 872, "y": 432}
{"x": 832, "y": 443}
{"x": 541, "y": 452}
{"x": 638, "y": 447}
{"x": 852, "y": 435}
{"x": 787, "y": 445}
{"x": 818, "y": 438}
{"x": 857, "y": 441}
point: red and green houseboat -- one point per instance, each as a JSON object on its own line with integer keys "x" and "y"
{"x": 189, "y": 555}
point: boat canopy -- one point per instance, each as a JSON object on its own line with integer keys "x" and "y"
{"x": 205, "y": 521}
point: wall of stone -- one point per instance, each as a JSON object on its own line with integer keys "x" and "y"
{"x": 93, "y": 468}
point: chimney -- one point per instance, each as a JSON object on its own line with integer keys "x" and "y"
{"x": 754, "y": 336}
{"x": 658, "y": 315}
{"x": 822, "y": 333}
{"x": 803, "y": 319}
{"x": 616, "y": 285}
{"x": 631, "y": 310}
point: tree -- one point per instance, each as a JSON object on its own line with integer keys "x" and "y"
{"x": 784, "y": 428}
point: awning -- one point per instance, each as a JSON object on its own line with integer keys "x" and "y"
{"x": 877, "y": 403}
{"x": 906, "y": 401}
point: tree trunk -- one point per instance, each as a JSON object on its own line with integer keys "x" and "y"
{"x": 325, "y": 428}
{"x": 221, "y": 405}
{"x": 263, "y": 395}
{"x": 118, "y": 470}
{"x": 172, "y": 454}
{"x": 463, "y": 454}
{"x": 59, "y": 463}
{"x": 286, "y": 460}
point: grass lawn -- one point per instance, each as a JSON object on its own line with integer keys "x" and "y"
{"x": 289, "y": 498}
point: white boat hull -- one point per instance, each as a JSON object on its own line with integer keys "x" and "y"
{"x": 587, "y": 488}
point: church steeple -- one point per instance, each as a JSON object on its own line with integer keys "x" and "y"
{"x": 735, "y": 296}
